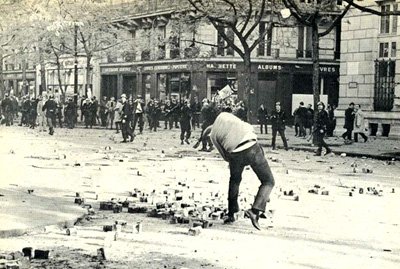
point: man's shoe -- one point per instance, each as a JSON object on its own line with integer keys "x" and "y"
{"x": 328, "y": 151}
{"x": 366, "y": 139}
{"x": 203, "y": 149}
{"x": 229, "y": 220}
{"x": 210, "y": 149}
{"x": 187, "y": 141}
{"x": 253, "y": 217}
{"x": 182, "y": 142}
{"x": 132, "y": 138}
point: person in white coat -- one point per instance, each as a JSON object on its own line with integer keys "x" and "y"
{"x": 41, "y": 115}
{"x": 359, "y": 124}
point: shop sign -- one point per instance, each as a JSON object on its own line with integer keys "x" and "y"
{"x": 118, "y": 69}
{"x": 166, "y": 67}
{"x": 270, "y": 67}
{"x": 224, "y": 66}
{"x": 328, "y": 69}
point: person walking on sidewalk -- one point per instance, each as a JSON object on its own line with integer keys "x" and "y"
{"x": 237, "y": 144}
{"x": 320, "y": 129}
{"x": 359, "y": 124}
{"x": 278, "y": 120}
{"x": 348, "y": 122}
{"x": 50, "y": 107}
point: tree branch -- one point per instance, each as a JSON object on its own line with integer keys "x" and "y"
{"x": 248, "y": 17}
{"x": 256, "y": 23}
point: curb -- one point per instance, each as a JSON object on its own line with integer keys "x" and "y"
{"x": 349, "y": 154}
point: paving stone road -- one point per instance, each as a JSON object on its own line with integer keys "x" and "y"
{"x": 317, "y": 231}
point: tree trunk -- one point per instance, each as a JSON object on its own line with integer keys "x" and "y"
{"x": 315, "y": 59}
{"x": 249, "y": 91}
{"x": 59, "y": 78}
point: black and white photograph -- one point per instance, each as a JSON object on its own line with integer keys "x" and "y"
{"x": 191, "y": 134}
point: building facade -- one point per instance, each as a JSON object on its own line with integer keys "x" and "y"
{"x": 166, "y": 62}
{"x": 370, "y": 67}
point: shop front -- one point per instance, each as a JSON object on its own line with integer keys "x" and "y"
{"x": 15, "y": 82}
{"x": 118, "y": 80}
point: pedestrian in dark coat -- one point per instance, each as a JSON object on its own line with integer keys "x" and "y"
{"x": 185, "y": 122}
{"x": 7, "y": 109}
{"x": 33, "y": 113}
{"x": 88, "y": 113}
{"x": 167, "y": 115}
{"x": 331, "y": 121}
{"x": 348, "y": 122}
{"x": 50, "y": 107}
{"x": 278, "y": 121}
{"x": 126, "y": 129}
{"x": 310, "y": 118}
{"x": 262, "y": 118}
{"x": 103, "y": 111}
{"x": 59, "y": 112}
{"x": 25, "y": 109}
{"x": 155, "y": 115}
{"x": 138, "y": 108}
{"x": 94, "y": 107}
{"x": 320, "y": 129}
{"x": 70, "y": 110}
{"x": 196, "y": 111}
{"x": 175, "y": 112}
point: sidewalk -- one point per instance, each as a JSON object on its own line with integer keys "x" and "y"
{"x": 382, "y": 148}
{"x": 21, "y": 212}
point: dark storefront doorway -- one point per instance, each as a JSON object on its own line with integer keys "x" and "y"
{"x": 129, "y": 85}
{"x": 267, "y": 93}
{"x": 109, "y": 86}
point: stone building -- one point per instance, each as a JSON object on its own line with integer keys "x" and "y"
{"x": 370, "y": 67}
{"x": 166, "y": 61}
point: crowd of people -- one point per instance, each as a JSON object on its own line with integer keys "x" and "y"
{"x": 129, "y": 116}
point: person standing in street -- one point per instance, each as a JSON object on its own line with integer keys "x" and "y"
{"x": 70, "y": 110}
{"x": 126, "y": 129}
{"x": 185, "y": 119}
{"x": 196, "y": 110}
{"x": 359, "y": 124}
{"x": 138, "y": 108}
{"x": 320, "y": 129}
{"x": 33, "y": 112}
{"x": 348, "y": 122}
{"x": 50, "y": 107}
{"x": 278, "y": 121}
{"x": 237, "y": 144}
{"x": 310, "y": 119}
{"x": 262, "y": 118}
{"x": 110, "y": 112}
{"x": 103, "y": 111}
{"x": 41, "y": 116}
{"x": 59, "y": 112}
{"x": 118, "y": 115}
{"x": 7, "y": 108}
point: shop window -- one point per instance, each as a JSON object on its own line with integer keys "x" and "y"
{"x": 179, "y": 85}
{"x": 384, "y": 85}
{"x": 383, "y": 49}
{"x": 218, "y": 81}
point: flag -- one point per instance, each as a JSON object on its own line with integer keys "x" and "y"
{"x": 225, "y": 92}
